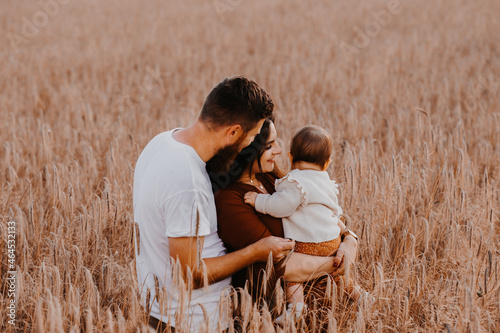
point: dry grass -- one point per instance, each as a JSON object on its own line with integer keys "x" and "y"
{"x": 414, "y": 115}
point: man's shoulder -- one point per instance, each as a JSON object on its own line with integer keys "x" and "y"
{"x": 171, "y": 165}
{"x": 161, "y": 144}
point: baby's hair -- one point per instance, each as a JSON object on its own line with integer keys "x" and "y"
{"x": 311, "y": 144}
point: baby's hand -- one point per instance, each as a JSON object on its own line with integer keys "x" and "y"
{"x": 250, "y": 198}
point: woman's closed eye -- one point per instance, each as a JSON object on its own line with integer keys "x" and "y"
{"x": 269, "y": 145}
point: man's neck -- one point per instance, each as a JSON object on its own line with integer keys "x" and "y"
{"x": 200, "y": 138}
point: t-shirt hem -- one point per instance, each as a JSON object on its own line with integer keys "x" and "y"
{"x": 204, "y": 232}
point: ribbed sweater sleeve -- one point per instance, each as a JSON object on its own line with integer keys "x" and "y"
{"x": 284, "y": 202}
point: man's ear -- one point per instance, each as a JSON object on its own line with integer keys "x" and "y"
{"x": 233, "y": 133}
{"x": 327, "y": 164}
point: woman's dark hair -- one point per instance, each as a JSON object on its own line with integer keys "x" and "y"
{"x": 245, "y": 159}
{"x": 236, "y": 100}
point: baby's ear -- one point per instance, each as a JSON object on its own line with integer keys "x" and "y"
{"x": 327, "y": 164}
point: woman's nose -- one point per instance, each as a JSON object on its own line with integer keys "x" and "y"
{"x": 277, "y": 150}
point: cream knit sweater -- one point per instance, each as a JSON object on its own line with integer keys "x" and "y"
{"x": 307, "y": 201}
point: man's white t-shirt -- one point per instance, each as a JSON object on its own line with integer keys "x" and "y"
{"x": 172, "y": 191}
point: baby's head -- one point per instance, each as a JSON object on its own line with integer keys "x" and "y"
{"x": 311, "y": 144}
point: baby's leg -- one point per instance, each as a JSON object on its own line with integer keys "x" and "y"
{"x": 295, "y": 293}
{"x": 295, "y": 299}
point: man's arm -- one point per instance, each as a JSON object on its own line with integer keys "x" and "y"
{"x": 185, "y": 249}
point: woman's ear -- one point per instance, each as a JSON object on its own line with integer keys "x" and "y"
{"x": 290, "y": 157}
{"x": 327, "y": 164}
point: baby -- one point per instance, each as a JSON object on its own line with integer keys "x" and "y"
{"x": 307, "y": 201}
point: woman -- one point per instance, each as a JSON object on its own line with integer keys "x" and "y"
{"x": 239, "y": 224}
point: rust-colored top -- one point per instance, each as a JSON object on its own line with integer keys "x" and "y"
{"x": 240, "y": 225}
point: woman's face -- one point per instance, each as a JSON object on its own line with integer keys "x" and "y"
{"x": 271, "y": 150}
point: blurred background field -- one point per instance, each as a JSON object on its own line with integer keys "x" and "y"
{"x": 409, "y": 91}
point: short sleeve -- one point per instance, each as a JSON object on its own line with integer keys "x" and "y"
{"x": 186, "y": 214}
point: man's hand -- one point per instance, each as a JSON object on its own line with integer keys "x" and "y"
{"x": 345, "y": 256}
{"x": 277, "y": 245}
{"x": 250, "y": 198}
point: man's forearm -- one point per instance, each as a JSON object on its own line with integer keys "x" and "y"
{"x": 186, "y": 250}
{"x": 219, "y": 268}
{"x": 303, "y": 267}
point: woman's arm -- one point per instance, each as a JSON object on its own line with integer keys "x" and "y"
{"x": 341, "y": 225}
{"x": 347, "y": 250}
{"x": 302, "y": 267}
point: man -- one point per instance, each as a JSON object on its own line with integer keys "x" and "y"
{"x": 175, "y": 211}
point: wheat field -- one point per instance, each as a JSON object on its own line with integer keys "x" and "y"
{"x": 409, "y": 90}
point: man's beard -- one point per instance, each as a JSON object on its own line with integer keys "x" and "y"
{"x": 223, "y": 159}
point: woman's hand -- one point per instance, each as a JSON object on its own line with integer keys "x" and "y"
{"x": 250, "y": 198}
{"x": 279, "y": 247}
{"x": 345, "y": 256}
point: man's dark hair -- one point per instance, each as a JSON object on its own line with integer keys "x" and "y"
{"x": 236, "y": 100}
